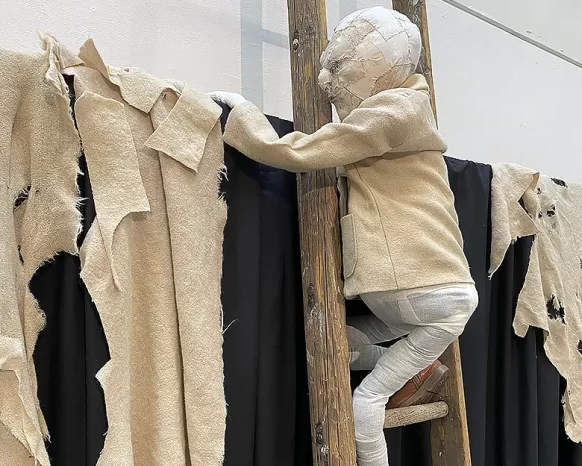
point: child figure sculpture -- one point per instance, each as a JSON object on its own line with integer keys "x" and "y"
{"x": 402, "y": 247}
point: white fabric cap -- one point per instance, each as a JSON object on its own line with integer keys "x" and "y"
{"x": 371, "y": 50}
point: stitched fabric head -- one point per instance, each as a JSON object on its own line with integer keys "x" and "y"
{"x": 371, "y": 50}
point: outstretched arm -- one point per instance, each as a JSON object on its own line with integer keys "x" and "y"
{"x": 380, "y": 124}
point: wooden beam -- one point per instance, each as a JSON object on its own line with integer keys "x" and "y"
{"x": 449, "y": 435}
{"x": 332, "y": 425}
{"x": 399, "y": 417}
{"x": 415, "y": 10}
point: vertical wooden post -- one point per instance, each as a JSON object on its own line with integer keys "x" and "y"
{"x": 415, "y": 10}
{"x": 332, "y": 425}
{"x": 449, "y": 435}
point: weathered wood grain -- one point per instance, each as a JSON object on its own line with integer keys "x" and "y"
{"x": 409, "y": 415}
{"x": 416, "y": 12}
{"x": 324, "y": 309}
{"x": 449, "y": 435}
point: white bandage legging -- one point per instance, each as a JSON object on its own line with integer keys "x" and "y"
{"x": 431, "y": 319}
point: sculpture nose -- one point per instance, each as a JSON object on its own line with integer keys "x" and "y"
{"x": 324, "y": 78}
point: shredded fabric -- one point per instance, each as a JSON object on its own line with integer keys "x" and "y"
{"x": 151, "y": 261}
{"x": 39, "y": 151}
{"x": 551, "y": 297}
{"x": 510, "y": 185}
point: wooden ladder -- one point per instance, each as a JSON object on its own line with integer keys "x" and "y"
{"x": 325, "y": 330}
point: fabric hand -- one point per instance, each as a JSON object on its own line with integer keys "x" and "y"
{"x": 229, "y": 98}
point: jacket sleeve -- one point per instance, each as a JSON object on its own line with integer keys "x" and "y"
{"x": 380, "y": 124}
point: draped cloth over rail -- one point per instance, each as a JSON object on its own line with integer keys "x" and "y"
{"x": 551, "y": 298}
{"x": 151, "y": 260}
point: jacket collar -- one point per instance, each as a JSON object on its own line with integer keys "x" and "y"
{"x": 416, "y": 82}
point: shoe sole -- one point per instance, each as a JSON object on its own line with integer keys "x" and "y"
{"x": 429, "y": 389}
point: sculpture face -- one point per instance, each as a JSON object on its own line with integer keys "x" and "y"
{"x": 371, "y": 50}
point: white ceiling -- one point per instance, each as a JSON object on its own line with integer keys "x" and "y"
{"x": 555, "y": 23}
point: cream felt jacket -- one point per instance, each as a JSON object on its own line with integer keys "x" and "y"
{"x": 401, "y": 230}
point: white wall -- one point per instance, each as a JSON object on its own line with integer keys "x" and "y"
{"x": 555, "y": 23}
{"x": 498, "y": 98}
{"x": 501, "y": 99}
{"x": 193, "y": 40}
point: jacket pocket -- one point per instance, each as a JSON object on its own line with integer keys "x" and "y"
{"x": 349, "y": 246}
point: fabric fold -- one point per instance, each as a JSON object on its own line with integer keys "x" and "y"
{"x": 183, "y": 133}
{"x": 138, "y": 88}
{"x": 151, "y": 262}
{"x": 510, "y": 220}
{"x": 171, "y": 117}
{"x": 112, "y": 161}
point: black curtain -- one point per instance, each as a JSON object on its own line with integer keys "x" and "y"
{"x": 512, "y": 391}
{"x": 69, "y": 352}
{"x": 264, "y": 350}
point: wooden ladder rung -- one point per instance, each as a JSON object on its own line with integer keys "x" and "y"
{"x": 399, "y": 417}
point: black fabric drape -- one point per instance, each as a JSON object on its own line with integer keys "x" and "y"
{"x": 512, "y": 390}
{"x": 264, "y": 351}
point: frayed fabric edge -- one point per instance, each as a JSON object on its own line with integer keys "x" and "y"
{"x": 37, "y": 433}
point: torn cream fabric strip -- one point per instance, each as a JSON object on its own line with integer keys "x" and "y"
{"x": 551, "y": 298}
{"x": 39, "y": 150}
{"x": 152, "y": 261}
{"x": 509, "y": 220}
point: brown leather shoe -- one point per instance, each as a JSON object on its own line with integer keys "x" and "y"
{"x": 422, "y": 387}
